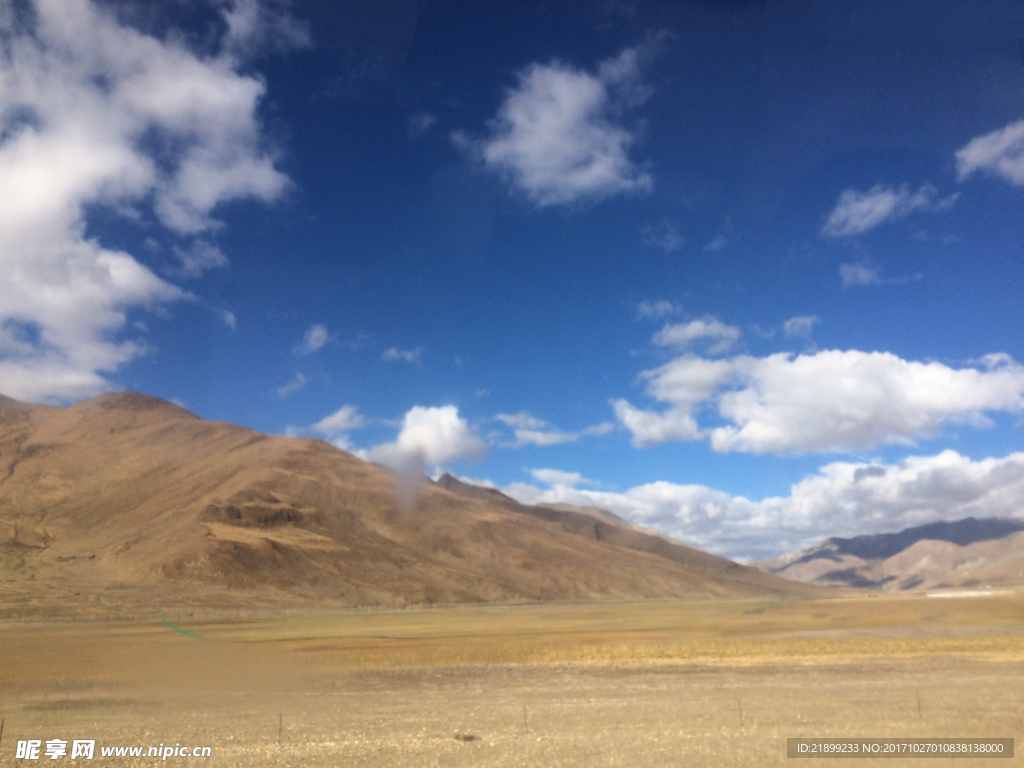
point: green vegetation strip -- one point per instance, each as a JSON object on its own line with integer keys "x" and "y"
{"x": 181, "y": 631}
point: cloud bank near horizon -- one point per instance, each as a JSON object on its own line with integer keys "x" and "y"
{"x": 842, "y": 499}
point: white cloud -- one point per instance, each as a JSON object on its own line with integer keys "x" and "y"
{"x": 1000, "y": 152}
{"x": 650, "y": 428}
{"x": 431, "y": 436}
{"x": 529, "y": 430}
{"x": 683, "y": 334}
{"x": 800, "y": 327}
{"x": 521, "y": 420}
{"x": 858, "y": 274}
{"x": 859, "y": 212}
{"x": 831, "y": 400}
{"x": 555, "y": 477}
{"x": 255, "y": 27}
{"x": 314, "y": 339}
{"x": 664, "y": 236}
{"x": 861, "y": 274}
{"x": 229, "y": 319}
{"x": 406, "y": 355}
{"x": 655, "y": 310}
{"x": 342, "y": 420}
{"x": 336, "y": 426}
{"x": 292, "y": 386}
{"x": 841, "y": 499}
{"x": 200, "y": 256}
{"x": 556, "y": 137}
{"x": 80, "y": 93}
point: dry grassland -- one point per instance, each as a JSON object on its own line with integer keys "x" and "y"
{"x": 630, "y": 684}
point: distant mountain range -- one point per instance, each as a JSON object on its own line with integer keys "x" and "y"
{"x": 968, "y": 553}
{"x": 126, "y": 504}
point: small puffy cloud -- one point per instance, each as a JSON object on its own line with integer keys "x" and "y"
{"x": 529, "y": 430}
{"x": 342, "y": 420}
{"x": 405, "y": 355}
{"x": 229, "y": 319}
{"x": 431, "y": 436}
{"x": 558, "y": 477}
{"x": 200, "y": 256}
{"x": 655, "y": 310}
{"x": 683, "y": 334}
{"x": 335, "y": 428}
{"x": 859, "y": 212}
{"x": 1000, "y": 153}
{"x": 313, "y": 339}
{"x": 664, "y": 236}
{"x": 841, "y": 499}
{"x": 800, "y": 327}
{"x": 255, "y": 27}
{"x": 557, "y": 138}
{"x": 95, "y": 113}
{"x": 717, "y": 243}
{"x": 854, "y": 275}
{"x": 858, "y": 274}
{"x": 292, "y": 386}
{"x": 831, "y": 400}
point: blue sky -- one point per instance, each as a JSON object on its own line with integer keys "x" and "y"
{"x": 747, "y": 273}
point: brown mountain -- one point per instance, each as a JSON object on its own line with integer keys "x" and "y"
{"x": 966, "y": 553}
{"x": 601, "y": 525}
{"x": 127, "y": 503}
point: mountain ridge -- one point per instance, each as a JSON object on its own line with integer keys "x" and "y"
{"x": 967, "y": 553}
{"x": 125, "y": 501}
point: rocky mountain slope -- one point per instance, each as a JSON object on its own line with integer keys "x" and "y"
{"x": 127, "y": 503}
{"x": 967, "y": 553}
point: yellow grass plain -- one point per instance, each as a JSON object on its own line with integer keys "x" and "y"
{"x": 664, "y": 683}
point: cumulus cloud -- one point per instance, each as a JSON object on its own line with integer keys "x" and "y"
{"x": 830, "y": 400}
{"x": 529, "y": 430}
{"x": 229, "y": 319}
{"x": 859, "y": 212}
{"x": 557, "y": 137}
{"x": 1000, "y": 152}
{"x": 683, "y": 334}
{"x": 95, "y": 113}
{"x": 841, "y": 499}
{"x": 655, "y": 310}
{"x": 431, "y": 436}
{"x": 405, "y": 355}
{"x": 313, "y": 339}
{"x": 800, "y": 327}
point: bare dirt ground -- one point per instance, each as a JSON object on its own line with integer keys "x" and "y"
{"x": 630, "y": 684}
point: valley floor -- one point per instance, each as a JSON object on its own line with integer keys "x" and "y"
{"x": 631, "y": 684}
